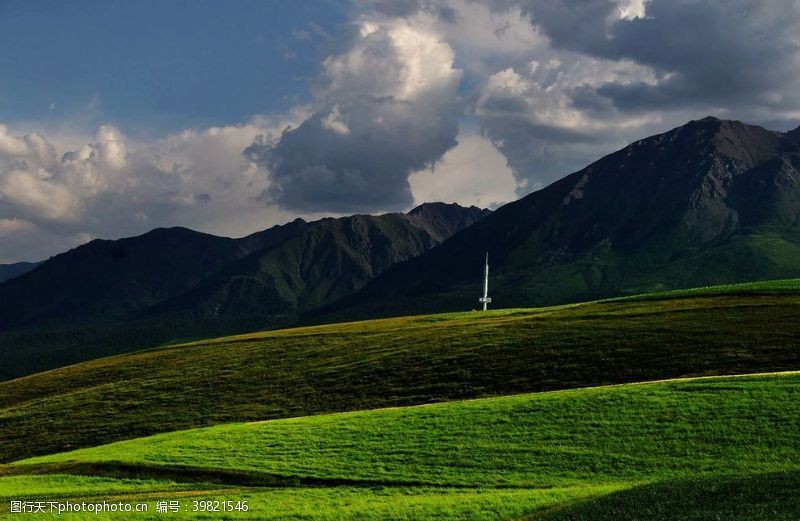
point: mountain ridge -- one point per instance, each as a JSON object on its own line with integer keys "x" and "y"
{"x": 294, "y": 276}
{"x": 15, "y": 269}
{"x": 712, "y": 201}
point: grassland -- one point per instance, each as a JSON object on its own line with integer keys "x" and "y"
{"x": 681, "y": 449}
{"x": 397, "y": 362}
{"x": 770, "y": 287}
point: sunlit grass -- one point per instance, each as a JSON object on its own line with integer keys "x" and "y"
{"x": 717, "y": 442}
{"x": 396, "y": 362}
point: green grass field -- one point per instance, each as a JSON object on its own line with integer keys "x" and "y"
{"x": 341, "y": 441}
{"x": 396, "y": 362}
{"x": 561, "y": 455}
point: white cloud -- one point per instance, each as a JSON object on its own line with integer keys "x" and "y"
{"x": 111, "y": 188}
{"x": 14, "y": 226}
{"x": 472, "y": 173}
{"x": 94, "y": 167}
{"x": 29, "y": 147}
{"x": 631, "y": 9}
{"x": 35, "y": 195}
{"x": 334, "y": 122}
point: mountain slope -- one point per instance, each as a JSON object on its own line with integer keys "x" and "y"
{"x": 9, "y": 271}
{"x": 794, "y": 135}
{"x": 106, "y": 280}
{"x": 709, "y": 202}
{"x": 564, "y": 438}
{"x": 330, "y": 259}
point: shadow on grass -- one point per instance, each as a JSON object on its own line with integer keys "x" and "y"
{"x": 184, "y": 474}
{"x": 756, "y": 497}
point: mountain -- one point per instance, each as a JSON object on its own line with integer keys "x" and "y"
{"x": 330, "y": 259}
{"x": 710, "y": 202}
{"x": 108, "y": 297}
{"x": 108, "y": 280}
{"x": 9, "y": 271}
{"x": 794, "y": 135}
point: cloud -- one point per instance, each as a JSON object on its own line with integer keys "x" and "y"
{"x": 725, "y": 54}
{"x": 472, "y": 173}
{"x": 13, "y": 226}
{"x": 557, "y": 84}
{"x": 111, "y": 187}
{"x": 729, "y": 54}
{"x": 417, "y": 100}
{"x": 384, "y": 108}
{"x": 537, "y": 102}
{"x": 530, "y": 113}
{"x": 32, "y": 193}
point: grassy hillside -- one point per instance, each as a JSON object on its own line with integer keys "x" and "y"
{"x": 403, "y": 361}
{"x": 685, "y": 447}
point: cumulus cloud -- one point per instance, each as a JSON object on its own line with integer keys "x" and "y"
{"x": 472, "y": 173}
{"x": 721, "y": 54}
{"x": 111, "y": 188}
{"x": 384, "y": 108}
{"x": 556, "y": 84}
{"x": 532, "y": 115}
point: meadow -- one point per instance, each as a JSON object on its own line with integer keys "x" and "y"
{"x": 689, "y": 446}
{"x": 601, "y": 410}
{"x": 400, "y": 361}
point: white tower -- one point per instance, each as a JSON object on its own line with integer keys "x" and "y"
{"x": 485, "y": 299}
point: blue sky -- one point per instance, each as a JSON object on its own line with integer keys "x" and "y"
{"x": 153, "y": 66}
{"x": 231, "y": 116}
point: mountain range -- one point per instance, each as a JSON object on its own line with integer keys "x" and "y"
{"x": 709, "y": 202}
{"x": 109, "y": 296}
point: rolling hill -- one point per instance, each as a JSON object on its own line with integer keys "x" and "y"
{"x": 109, "y": 297}
{"x": 710, "y": 202}
{"x": 680, "y": 449}
{"x": 402, "y": 361}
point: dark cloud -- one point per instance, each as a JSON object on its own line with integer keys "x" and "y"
{"x": 540, "y": 154}
{"x": 576, "y": 25}
{"x": 314, "y": 168}
{"x": 386, "y": 108}
{"x": 720, "y": 53}
{"x": 709, "y": 52}
{"x": 615, "y": 70}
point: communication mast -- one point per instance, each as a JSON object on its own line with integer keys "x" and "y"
{"x": 485, "y": 299}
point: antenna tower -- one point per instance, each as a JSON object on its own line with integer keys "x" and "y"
{"x": 485, "y": 299}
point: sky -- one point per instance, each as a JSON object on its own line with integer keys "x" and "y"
{"x": 230, "y": 117}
